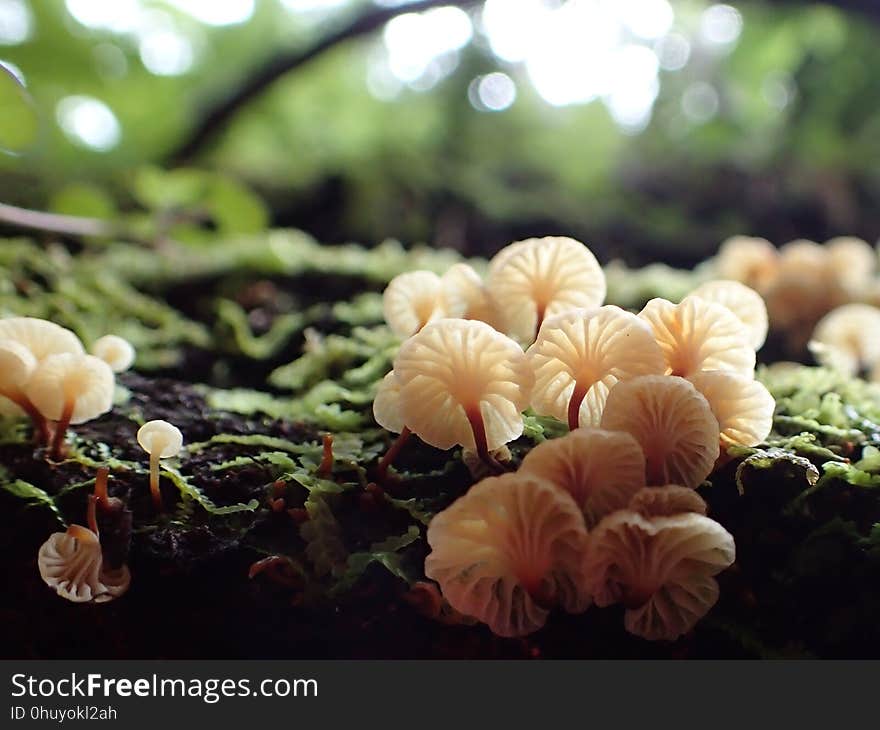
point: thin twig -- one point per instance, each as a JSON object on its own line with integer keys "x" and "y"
{"x": 66, "y": 224}
{"x": 218, "y": 115}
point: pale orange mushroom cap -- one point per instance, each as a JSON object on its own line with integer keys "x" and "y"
{"x": 601, "y": 470}
{"x": 852, "y": 261}
{"x": 411, "y": 300}
{"x": 742, "y": 301}
{"x": 41, "y": 337}
{"x": 456, "y": 370}
{"x": 673, "y": 424}
{"x": 465, "y": 294}
{"x": 742, "y": 406}
{"x": 17, "y": 364}
{"x": 541, "y": 277}
{"x": 697, "y": 334}
{"x": 583, "y": 353}
{"x": 752, "y": 261}
{"x": 84, "y": 380}
{"x": 505, "y": 550}
{"x": 72, "y": 564}
{"x": 386, "y": 404}
{"x": 846, "y": 339}
{"x": 116, "y": 351}
{"x": 667, "y": 501}
{"x": 660, "y": 568}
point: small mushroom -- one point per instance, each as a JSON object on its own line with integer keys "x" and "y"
{"x": 463, "y": 383}
{"x": 465, "y": 294}
{"x": 673, "y": 424}
{"x": 541, "y": 277}
{"x": 752, "y": 261}
{"x": 699, "y": 335}
{"x": 600, "y": 469}
{"x": 72, "y": 563}
{"x": 742, "y": 301}
{"x": 41, "y": 337}
{"x": 17, "y": 365}
{"x": 660, "y": 568}
{"x": 413, "y": 299}
{"x": 852, "y": 262}
{"x": 509, "y": 550}
{"x": 160, "y": 440}
{"x": 115, "y": 351}
{"x": 70, "y": 389}
{"x": 387, "y": 413}
{"x": 742, "y": 406}
{"x": 667, "y": 501}
{"x": 846, "y": 339}
{"x": 581, "y": 354}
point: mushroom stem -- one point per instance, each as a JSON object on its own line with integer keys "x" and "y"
{"x": 392, "y": 453}
{"x": 540, "y": 314}
{"x": 154, "y": 479}
{"x": 41, "y": 425}
{"x": 574, "y": 405}
{"x": 61, "y": 430}
{"x": 479, "y": 428}
{"x": 101, "y": 478}
{"x": 92, "y": 514}
{"x": 325, "y": 468}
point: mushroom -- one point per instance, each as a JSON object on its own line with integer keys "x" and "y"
{"x": 600, "y": 469}
{"x": 115, "y": 351}
{"x": 463, "y": 383}
{"x": 742, "y": 406}
{"x": 660, "y": 568}
{"x": 581, "y": 354}
{"x": 41, "y": 337}
{"x": 742, "y": 301}
{"x": 752, "y": 261}
{"x": 673, "y": 424}
{"x": 411, "y": 300}
{"x": 509, "y": 550}
{"x": 70, "y": 389}
{"x": 386, "y": 412}
{"x": 666, "y": 501}
{"x": 845, "y": 339}
{"x": 852, "y": 262}
{"x": 699, "y": 335}
{"x": 17, "y": 364}
{"x": 465, "y": 294}
{"x": 160, "y": 440}
{"x": 541, "y": 277}
{"x": 72, "y": 563}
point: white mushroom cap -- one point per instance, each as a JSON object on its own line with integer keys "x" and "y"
{"x": 593, "y": 349}
{"x": 846, "y": 338}
{"x": 454, "y": 368}
{"x": 742, "y": 406}
{"x": 752, "y": 261}
{"x": 386, "y": 404}
{"x": 84, "y": 380}
{"x": 72, "y": 564}
{"x": 742, "y": 301}
{"x": 699, "y": 335}
{"x": 511, "y": 543}
{"x": 115, "y": 351}
{"x": 667, "y": 501}
{"x": 542, "y": 277}
{"x": 805, "y": 258}
{"x": 411, "y": 300}
{"x": 673, "y": 424}
{"x": 160, "y": 438}
{"x": 601, "y": 470}
{"x": 41, "y": 337}
{"x": 465, "y": 295}
{"x": 17, "y": 364}
{"x": 852, "y": 260}
{"x": 662, "y": 569}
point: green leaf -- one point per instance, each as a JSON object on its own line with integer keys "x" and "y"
{"x": 83, "y": 199}
{"x": 386, "y": 553}
{"x": 323, "y": 536}
{"x": 33, "y": 495}
{"x": 19, "y": 123}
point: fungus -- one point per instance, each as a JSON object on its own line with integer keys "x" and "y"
{"x": 581, "y": 354}
{"x": 386, "y": 412}
{"x": 742, "y": 301}
{"x": 660, "y": 568}
{"x": 160, "y": 440}
{"x": 115, "y": 351}
{"x": 845, "y": 339}
{"x": 666, "y": 501}
{"x": 70, "y": 389}
{"x": 17, "y": 365}
{"x": 465, "y": 295}
{"x": 41, "y": 337}
{"x": 699, "y": 335}
{"x": 411, "y": 300}
{"x": 509, "y": 550}
{"x": 463, "y": 383}
{"x": 852, "y": 262}
{"x": 752, "y": 261}
{"x": 601, "y": 470}
{"x": 72, "y": 563}
{"x": 541, "y": 277}
{"x": 673, "y": 424}
{"x": 742, "y": 406}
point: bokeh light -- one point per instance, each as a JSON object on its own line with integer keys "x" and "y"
{"x": 15, "y": 22}
{"x": 493, "y": 92}
{"x": 88, "y": 122}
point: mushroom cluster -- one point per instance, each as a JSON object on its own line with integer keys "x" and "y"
{"x": 46, "y": 374}
{"x": 802, "y": 280}
{"x": 845, "y": 340}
